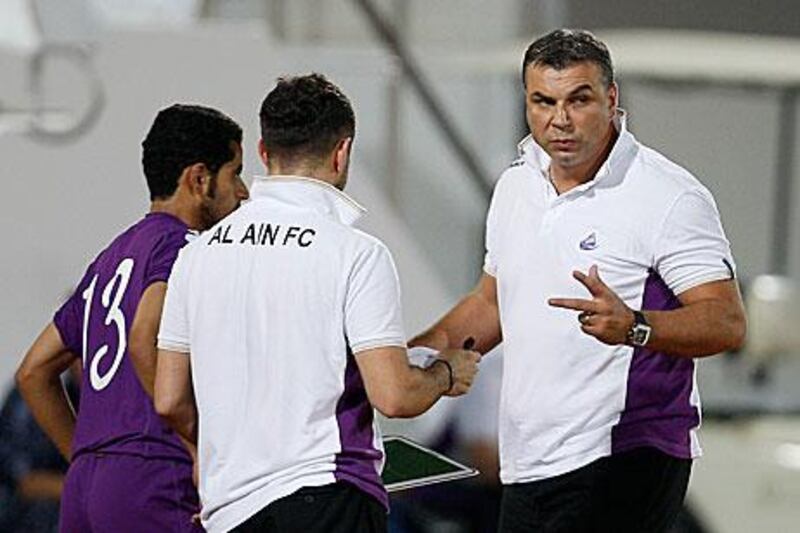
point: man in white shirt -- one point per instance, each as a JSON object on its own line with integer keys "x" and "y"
{"x": 282, "y": 329}
{"x": 607, "y": 272}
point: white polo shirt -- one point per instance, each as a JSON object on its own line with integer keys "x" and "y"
{"x": 654, "y": 232}
{"x": 271, "y": 304}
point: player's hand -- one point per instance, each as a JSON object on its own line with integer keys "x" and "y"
{"x": 605, "y": 316}
{"x": 465, "y": 366}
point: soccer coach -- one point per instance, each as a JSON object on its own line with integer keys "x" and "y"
{"x": 282, "y": 329}
{"x": 607, "y": 272}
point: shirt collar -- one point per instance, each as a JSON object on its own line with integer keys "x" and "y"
{"x": 533, "y": 154}
{"x": 308, "y": 193}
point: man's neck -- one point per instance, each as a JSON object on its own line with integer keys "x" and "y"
{"x": 313, "y": 173}
{"x": 179, "y": 210}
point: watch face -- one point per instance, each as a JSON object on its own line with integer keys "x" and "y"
{"x": 641, "y": 334}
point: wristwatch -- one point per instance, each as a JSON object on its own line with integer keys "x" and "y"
{"x": 639, "y": 333}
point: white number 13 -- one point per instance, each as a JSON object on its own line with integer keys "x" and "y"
{"x": 111, "y": 300}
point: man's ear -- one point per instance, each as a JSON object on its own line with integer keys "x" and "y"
{"x": 262, "y": 152}
{"x": 613, "y": 98}
{"x": 195, "y": 178}
{"x": 341, "y": 154}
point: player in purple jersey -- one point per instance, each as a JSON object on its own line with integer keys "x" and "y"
{"x": 129, "y": 471}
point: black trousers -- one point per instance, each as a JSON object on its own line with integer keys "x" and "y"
{"x": 335, "y": 508}
{"x": 640, "y": 491}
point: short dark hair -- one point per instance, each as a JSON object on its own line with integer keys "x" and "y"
{"x": 305, "y": 116}
{"x": 563, "y": 48}
{"x": 181, "y": 136}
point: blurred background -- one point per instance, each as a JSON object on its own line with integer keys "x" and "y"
{"x": 438, "y": 98}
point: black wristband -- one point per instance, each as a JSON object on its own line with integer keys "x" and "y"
{"x": 449, "y": 373}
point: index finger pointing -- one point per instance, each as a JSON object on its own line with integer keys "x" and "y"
{"x": 576, "y": 304}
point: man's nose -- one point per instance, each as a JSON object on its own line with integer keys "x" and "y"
{"x": 561, "y": 117}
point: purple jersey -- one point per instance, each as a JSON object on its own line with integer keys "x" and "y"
{"x": 116, "y": 414}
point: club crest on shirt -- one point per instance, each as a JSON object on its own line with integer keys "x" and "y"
{"x": 589, "y": 243}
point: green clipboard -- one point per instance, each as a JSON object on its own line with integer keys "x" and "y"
{"x": 409, "y": 465}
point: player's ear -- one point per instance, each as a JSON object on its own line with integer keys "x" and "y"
{"x": 341, "y": 155}
{"x": 195, "y": 177}
{"x": 262, "y": 152}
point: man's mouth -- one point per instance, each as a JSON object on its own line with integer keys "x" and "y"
{"x": 562, "y": 144}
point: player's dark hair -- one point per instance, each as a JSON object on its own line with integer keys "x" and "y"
{"x": 181, "y": 136}
{"x": 304, "y": 117}
{"x": 563, "y": 48}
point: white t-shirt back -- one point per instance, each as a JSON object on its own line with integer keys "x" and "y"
{"x": 271, "y": 304}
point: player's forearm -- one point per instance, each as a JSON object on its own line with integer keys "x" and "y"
{"x": 180, "y": 415}
{"x": 415, "y": 392}
{"x": 142, "y": 344}
{"x": 187, "y": 429}
{"x": 191, "y": 446}
{"x": 144, "y": 363}
{"x": 174, "y": 396}
{"x": 50, "y": 406}
{"x": 39, "y": 381}
{"x": 474, "y": 317}
{"x": 185, "y": 424}
{"x": 701, "y": 329}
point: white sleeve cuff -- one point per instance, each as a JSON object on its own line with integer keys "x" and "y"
{"x": 697, "y": 280}
{"x": 382, "y": 342}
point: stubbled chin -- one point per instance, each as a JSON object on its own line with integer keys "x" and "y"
{"x": 564, "y": 159}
